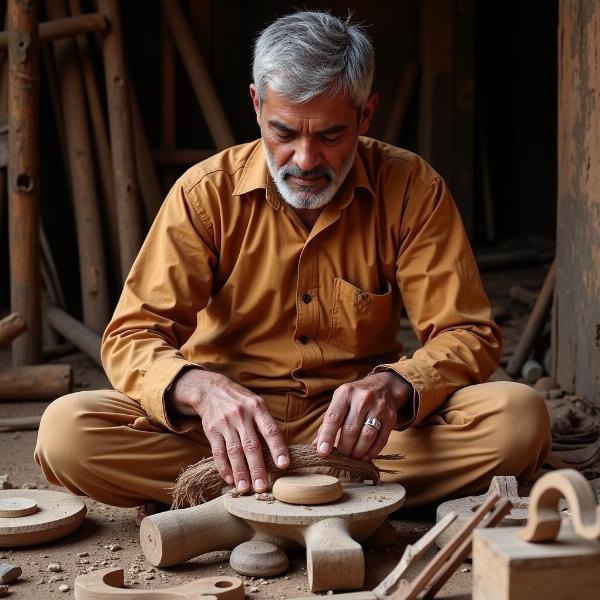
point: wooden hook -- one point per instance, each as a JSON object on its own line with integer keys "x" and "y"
{"x": 543, "y": 523}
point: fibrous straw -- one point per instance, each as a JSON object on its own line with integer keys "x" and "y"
{"x": 201, "y": 482}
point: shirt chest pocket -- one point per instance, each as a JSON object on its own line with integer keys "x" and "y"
{"x": 359, "y": 319}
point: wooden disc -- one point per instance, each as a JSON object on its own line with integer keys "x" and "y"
{"x": 259, "y": 559}
{"x": 307, "y": 488}
{"x": 359, "y": 502}
{"x": 17, "y": 507}
{"x": 57, "y": 515}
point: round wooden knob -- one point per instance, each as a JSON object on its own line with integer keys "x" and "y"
{"x": 258, "y": 559}
{"x": 17, "y": 507}
{"x": 307, "y": 488}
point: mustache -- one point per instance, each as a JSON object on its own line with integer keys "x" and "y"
{"x": 295, "y": 171}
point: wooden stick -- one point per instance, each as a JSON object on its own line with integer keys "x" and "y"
{"x": 152, "y": 195}
{"x": 50, "y": 266}
{"x": 64, "y": 28}
{"x": 92, "y": 267}
{"x": 501, "y": 509}
{"x": 11, "y": 327}
{"x": 404, "y": 94}
{"x": 121, "y": 138}
{"x": 77, "y": 333}
{"x": 20, "y": 423}
{"x": 181, "y": 156}
{"x": 534, "y": 325}
{"x": 23, "y": 177}
{"x": 101, "y": 142}
{"x": 36, "y": 382}
{"x": 198, "y": 73}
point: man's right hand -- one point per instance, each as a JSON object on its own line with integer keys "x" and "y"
{"x": 232, "y": 419}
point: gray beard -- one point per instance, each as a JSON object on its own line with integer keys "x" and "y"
{"x": 304, "y": 197}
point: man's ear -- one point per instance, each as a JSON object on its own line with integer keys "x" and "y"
{"x": 367, "y": 113}
{"x": 255, "y": 101}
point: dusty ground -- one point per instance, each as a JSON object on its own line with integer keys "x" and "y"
{"x": 105, "y": 525}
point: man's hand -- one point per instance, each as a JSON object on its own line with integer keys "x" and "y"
{"x": 379, "y": 395}
{"x": 232, "y": 419}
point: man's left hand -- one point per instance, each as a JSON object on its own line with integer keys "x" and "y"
{"x": 380, "y": 396}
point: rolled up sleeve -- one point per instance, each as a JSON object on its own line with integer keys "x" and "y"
{"x": 169, "y": 283}
{"x": 445, "y": 302}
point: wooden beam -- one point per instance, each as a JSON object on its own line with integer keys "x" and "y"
{"x": 23, "y": 183}
{"x": 576, "y": 339}
{"x": 198, "y": 73}
{"x": 37, "y": 382}
{"x": 64, "y": 28}
{"x": 121, "y": 138}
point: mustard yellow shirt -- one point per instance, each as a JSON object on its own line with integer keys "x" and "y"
{"x": 230, "y": 279}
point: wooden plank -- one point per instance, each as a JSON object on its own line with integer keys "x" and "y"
{"x": 576, "y": 341}
{"x": 23, "y": 180}
{"x": 121, "y": 138}
{"x": 64, "y": 28}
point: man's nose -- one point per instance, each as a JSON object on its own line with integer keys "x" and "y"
{"x": 307, "y": 155}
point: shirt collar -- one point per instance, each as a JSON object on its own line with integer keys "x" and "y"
{"x": 255, "y": 175}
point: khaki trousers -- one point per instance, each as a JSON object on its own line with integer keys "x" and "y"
{"x": 101, "y": 444}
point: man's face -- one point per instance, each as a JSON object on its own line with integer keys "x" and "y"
{"x": 310, "y": 147}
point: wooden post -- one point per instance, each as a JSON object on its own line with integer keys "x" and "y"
{"x": 23, "y": 177}
{"x": 199, "y": 77}
{"x": 92, "y": 267}
{"x": 121, "y": 138}
{"x": 576, "y": 341}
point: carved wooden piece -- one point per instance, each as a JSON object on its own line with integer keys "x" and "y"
{"x": 307, "y": 488}
{"x": 259, "y": 559}
{"x": 330, "y": 532}
{"x": 57, "y": 515}
{"x": 106, "y": 584}
{"x": 17, "y": 507}
{"x": 543, "y": 561}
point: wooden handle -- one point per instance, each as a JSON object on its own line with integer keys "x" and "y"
{"x": 175, "y": 536}
{"x": 543, "y": 523}
{"x": 108, "y": 584}
{"x": 334, "y": 560}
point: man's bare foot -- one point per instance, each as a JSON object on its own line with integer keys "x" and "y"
{"x": 150, "y": 508}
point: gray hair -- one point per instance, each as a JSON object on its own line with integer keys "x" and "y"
{"x": 306, "y": 54}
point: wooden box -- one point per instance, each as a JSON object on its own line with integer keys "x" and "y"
{"x": 505, "y": 567}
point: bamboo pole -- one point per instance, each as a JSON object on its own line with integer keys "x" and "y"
{"x": 152, "y": 196}
{"x": 121, "y": 138}
{"x": 92, "y": 267}
{"x": 198, "y": 73}
{"x": 23, "y": 177}
{"x": 64, "y": 28}
{"x": 101, "y": 142}
{"x": 77, "y": 333}
{"x": 36, "y": 382}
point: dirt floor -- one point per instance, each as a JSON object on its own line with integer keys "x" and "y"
{"x": 88, "y": 548}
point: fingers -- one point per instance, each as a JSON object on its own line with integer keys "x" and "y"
{"x": 268, "y": 428}
{"x": 333, "y": 420}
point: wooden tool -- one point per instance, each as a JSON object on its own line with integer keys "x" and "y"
{"x": 37, "y": 516}
{"x": 106, "y": 584}
{"x": 330, "y": 532}
{"x": 433, "y": 576}
{"x": 503, "y": 486}
{"x": 543, "y": 561}
{"x": 307, "y": 488}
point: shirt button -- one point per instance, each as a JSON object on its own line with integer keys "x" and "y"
{"x": 301, "y": 373}
{"x": 306, "y": 298}
{"x": 304, "y": 339}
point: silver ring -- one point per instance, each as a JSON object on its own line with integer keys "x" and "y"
{"x": 373, "y": 422}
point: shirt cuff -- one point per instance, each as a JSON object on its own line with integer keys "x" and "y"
{"x": 157, "y": 381}
{"x": 428, "y": 389}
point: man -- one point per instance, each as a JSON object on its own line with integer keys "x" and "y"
{"x": 264, "y": 306}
